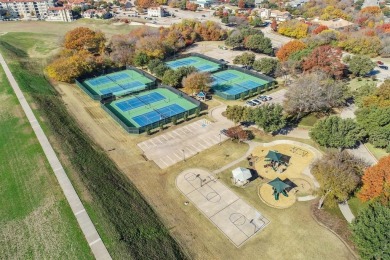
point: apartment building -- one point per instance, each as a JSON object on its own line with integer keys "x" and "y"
{"x": 26, "y": 9}
{"x": 59, "y": 14}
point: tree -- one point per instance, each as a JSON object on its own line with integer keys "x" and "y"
{"x": 152, "y": 64}
{"x": 160, "y": 69}
{"x": 71, "y": 65}
{"x": 196, "y": 82}
{"x": 314, "y": 92}
{"x": 246, "y": 59}
{"x": 269, "y": 117}
{"x": 235, "y": 113}
{"x": 336, "y": 132}
{"x": 274, "y": 25}
{"x": 236, "y": 132}
{"x": 241, "y": 4}
{"x": 326, "y": 59}
{"x": 141, "y": 59}
{"x": 380, "y": 97}
{"x": 338, "y": 174}
{"x": 256, "y": 22}
{"x": 376, "y": 182}
{"x": 360, "y": 65}
{"x": 289, "y": 48}
{"x": 376, "y": 122}
{"x": 235, "y": 40}
{"x": 83, "y": 38}
{"x": 293, "y": 28}
{"x": 371, "y": 230}
{"x": 319, "y": 29}
{"x": 144, "y": 3}
{"x": 363, "y": 45}
{"x": 170, "y": 78}
{"x": 258, "y": 43}
{"x": 122, "y": 49}
{"x": 266, "y": 65}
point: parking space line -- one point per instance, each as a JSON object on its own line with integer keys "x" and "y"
{"x": 161, "y": 160}
{"x": 204, "y": 147}
{"x": 167, "y": 156}
{"x": 180, "y": 158}
{"x": 154, "y": 144}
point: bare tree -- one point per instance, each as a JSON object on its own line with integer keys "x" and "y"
{"x": 314, "y": 92}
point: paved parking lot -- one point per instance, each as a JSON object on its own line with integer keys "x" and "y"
{"x": 184, "y": 142}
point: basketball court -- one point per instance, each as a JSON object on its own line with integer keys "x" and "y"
{"x": 233, "y": 216}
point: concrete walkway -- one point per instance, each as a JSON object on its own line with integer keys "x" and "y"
{"x": 86, "y": 225}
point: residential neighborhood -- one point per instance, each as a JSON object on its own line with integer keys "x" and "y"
{"x": 194, "y": 129}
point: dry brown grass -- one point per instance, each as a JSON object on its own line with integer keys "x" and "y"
{"x": 193, "y": 231}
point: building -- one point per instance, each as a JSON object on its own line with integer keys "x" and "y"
{"x": 371, "y": 3}
{"x": 59, "y": 14}
{"x": 335, "y": 24}
{"x": 90, "y": 13}
{"x": 78, "y": 3}
{"x": 156, "y": 12}
{"x": 26, "y": 9}
{"x": 296, "y": 3}
{"x": 267, "y": 14}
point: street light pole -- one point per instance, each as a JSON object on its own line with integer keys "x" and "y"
{"x": 184, "y": 155}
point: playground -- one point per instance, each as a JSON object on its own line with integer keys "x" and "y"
{"x": 229, "y": 213}
{"x": 283, "y": 166}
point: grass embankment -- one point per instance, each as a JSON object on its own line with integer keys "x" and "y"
{"x": 36, "y": 221}
{"x": 128, "y": 225}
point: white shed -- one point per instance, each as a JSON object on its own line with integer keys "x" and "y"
{"x": 241, "y": 175}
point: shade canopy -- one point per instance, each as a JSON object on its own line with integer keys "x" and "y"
{"x": 277, "y": 157}
{"x": 279, "y": 185}
{"x": 241, "y": 174}
{"x": 201, "y": 94}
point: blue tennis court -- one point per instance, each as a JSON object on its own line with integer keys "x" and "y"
{"x": 158, "y": 114}
{"x": 133, "y": 84}
{"x": 118, "y": 76}
{"x": 139, "y": 101}
{"x": 226, "y": 76}
{"x": 205, "y": 67}
{"x": 99, "y": 81}
{"x": 181, "y": 63}
{"x": 110, "y": 90}
{"x": 249, "y": 84}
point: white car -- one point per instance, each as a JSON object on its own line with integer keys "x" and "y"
{"x": 257, "y": 102}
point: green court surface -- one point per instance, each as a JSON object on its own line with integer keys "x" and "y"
{"x": 199, "y": 63}
{"x": 117, "y": 83}
{"x": 231, "y": 84}
{"x": 148, "y": 109}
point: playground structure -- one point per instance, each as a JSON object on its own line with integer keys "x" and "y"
{"x": 277, "y": 161}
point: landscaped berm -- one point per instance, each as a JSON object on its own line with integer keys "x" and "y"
{"x": 283, "y": 166}
{"x": 150, "y": 109}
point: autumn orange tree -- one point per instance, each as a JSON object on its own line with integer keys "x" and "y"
{"x": 293, "y": 28}
{"x": 326, "y": 59}
{"x": 196, "y": 82}
{"x": 319, "y": 29}
{"x": 376, "y": 182}
{"x": 83, "y": 38}
{"x": 83, "y": 52}
{"x": 289, "y": 48}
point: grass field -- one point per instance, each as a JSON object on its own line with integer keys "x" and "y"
{"x": 35, "y": 218}
{"x": 377, "y": 152}
{"x": 127, "y": 224}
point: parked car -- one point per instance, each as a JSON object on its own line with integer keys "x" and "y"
{"x": 203, "y": 15}
{"x": 257, "y": 102}
{"x": 379, "y": 62}
{"x": 245, "y": 124}
{"x": 264, "y": 98}
{"x": 250, "y": 104}
{"x": 224, "y": 132}
{"x": 384, "y": 67}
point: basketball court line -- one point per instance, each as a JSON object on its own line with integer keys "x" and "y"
{"x": 235, "y": 218}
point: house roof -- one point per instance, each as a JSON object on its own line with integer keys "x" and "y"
{"x": 57, "y": 8}
{"x": 334, "y": 24}
{"x": 241, "y": 174}
{"x": 21, "y": 1}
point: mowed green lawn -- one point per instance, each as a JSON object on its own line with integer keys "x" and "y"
{"x": 36, "y": 221}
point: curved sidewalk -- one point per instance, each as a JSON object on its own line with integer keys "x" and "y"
{"x": 96, "y": 244}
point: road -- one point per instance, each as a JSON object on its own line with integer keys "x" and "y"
{"x": 276, "y": 39}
